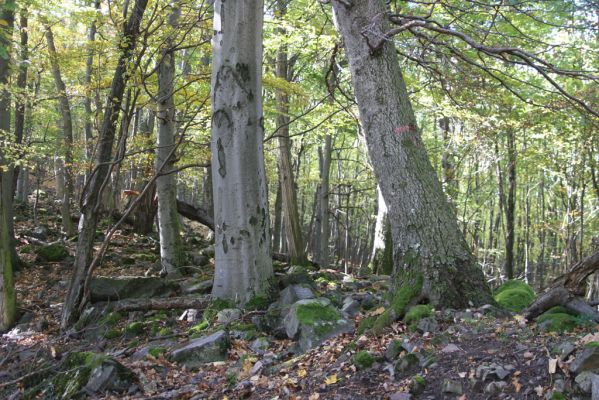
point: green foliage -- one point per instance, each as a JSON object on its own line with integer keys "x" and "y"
{"x": 366, "y": 324}
{"x": 363, "y": 360}
{"x": 135, "y": 328}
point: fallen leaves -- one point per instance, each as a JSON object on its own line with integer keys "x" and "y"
{"x": 331, "y": 380}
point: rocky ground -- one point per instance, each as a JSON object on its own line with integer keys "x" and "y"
{"x": 308, "y": 344}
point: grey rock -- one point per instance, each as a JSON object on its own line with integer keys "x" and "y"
{"x": 565, "y": 349}
{"x": 126, "y": 287}
{"x": 427, "y": 325}
{"x": 256, "y": 368}
{"x": 260, "y": 345}
{"x": 350, "y": 307}
{"x": 483, "y": 372}
{"x": 199, "y": 259}
{"x": 228, "y": 315}
{"x": 407, "y": 363}
{"x": 293, "y": 293}
{"x": 202, "y": 350}
{"x": 595, "y": 387}
{"x": 208, "y": 251}
{"x": 194, "y": 287}
{"x": 463, "y": 315}
{"x": 452, "y": 386}
{"x": 394, "y": 348}
{"x": 450, "y": 348}
{"x": 584, "y": 381}
{"x": 109, "y": 375}
{"x": 495, "y": 387}
{"x": 559, "y": 385}
{"x": 588, "y": 360}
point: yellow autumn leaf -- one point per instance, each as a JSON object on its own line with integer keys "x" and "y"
{"x": 378, "y": 311}
{"x": 302, "y": 373}
{"x": 331, "y": 380}
{"x": 3, "y": 22}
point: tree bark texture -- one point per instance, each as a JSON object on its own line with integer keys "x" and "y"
{"x": 242, "y": 238}
{"x": 382, "y": 249}
{"x": 426, "y": 237}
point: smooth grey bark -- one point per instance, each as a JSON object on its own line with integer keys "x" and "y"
{"x": 7, "y": 250}
{"x": 76, "y": 295}
{"x": 89, "y": 63}
{"x": 171, "y": 254}
{"x": 295, "y": 240}
{"x": 427, "y": 240}
{"x": 382, "y": 247}
{"x": 242, "y": 239}
{"x": 276, "y": 236}
{"x": 67, "y": 136}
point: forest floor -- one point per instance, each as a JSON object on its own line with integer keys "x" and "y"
{"x": 466, "y": 351}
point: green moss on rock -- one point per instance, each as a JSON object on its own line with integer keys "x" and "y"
{"x": 363, "y": 360}
{"x": 257, "y": 303}
{"x": 314, "y": 312}
{"x": 135, "y": 328}
{"x": 399, "y": 303}
{"x": 514, "y": 295}
{"x": 416, "y": 313}
{"x": 557, "y": 322}
{"x": 366, "y": 324}
{"x": 52, "y": 253}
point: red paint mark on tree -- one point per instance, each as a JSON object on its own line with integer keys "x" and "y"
{"x": 404, "y": 129}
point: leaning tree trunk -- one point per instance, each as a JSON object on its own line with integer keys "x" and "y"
{"x": 429, "y": 248}
{"x": 242, "y": 239}
{"x": 171, "y": 254}
{"x": 93, "y": 193}
{"x": 67, "y": 135}
{"x": 295, "y": 241}
{"x": 7, "y": 288}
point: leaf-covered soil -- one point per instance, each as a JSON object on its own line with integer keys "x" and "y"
{"x": 462, "y": 343}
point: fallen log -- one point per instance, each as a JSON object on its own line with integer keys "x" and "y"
{"x": 167, "y": 303}
{"x": 195, "y": 214}
{"x": 567, "y": 290}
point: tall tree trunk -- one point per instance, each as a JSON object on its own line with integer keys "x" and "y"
{"x": 144, "y": 213}
{"x": 21, "y": 102}
{"x": 7, "y": 249}
{"x": 67, "y": 135}
{"x": 276, "y": 236}
{"x": 295, "y": 240}
{"x": 90, "y": 205}
{"x": 323, "y": 202}
{"x": 428, "y": 244}
{"x": 89, "y": 64}
{"x": 171, "y": 252}
{"x": 510, "y": 207}
{"x": 447, "y": 161}
{"x": 241, "y": 218}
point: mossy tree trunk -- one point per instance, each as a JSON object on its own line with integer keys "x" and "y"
{"x": 427, "y": 240}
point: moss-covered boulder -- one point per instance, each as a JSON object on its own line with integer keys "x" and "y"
{"x": 84, "y": 372}
{"x": 203, "y": 350}
{"x": 296, "y": 274}
{"x": 557, "y": 322}
{"x": 514, "y": 295}
{"x": 312, "y": 321}
{"x": 54, "y": 252}
{"x": 363, "y": 360}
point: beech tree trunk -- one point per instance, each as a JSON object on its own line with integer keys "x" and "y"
{"x": 93, "y": 193}
{"x": 67, "y": 135}
{"x": 242, "y": 238}
{"x": 171, "y": 253}
{"x": 510, "y": 207}
{"x": 7, "y": 288}
{"x": 295, "y": 241}
{"x": 426, "y": 237}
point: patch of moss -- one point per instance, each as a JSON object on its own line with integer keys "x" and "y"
{"x": 26, "y": 249}
{"x": 165, "y": 332}
{"x": 416, "y": 313}
{"x": 558, "y": 322}
{"x": 111, "y": 319}
{"x": 591, "y": 345}
{"x": 52, "y": 253}
{"x": 400, "y": 301}
{"x": 515, "y": 284}
{"x": 311, "y": 313}
{"x": 297, "y": 275}
{"x": 135, "y": 328}
{"x": 199, "y": 327}
{"x": 258, "y": 303}
{"x": 112, "y": 333}
{"x": 363, "y": 360}
{"x": 514, "y": 300}
{"x": 156, "y": 351}
{"x": 419, "y": 379}
{"x": 215, "y": 306}
{"x": 558, "y": 396}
